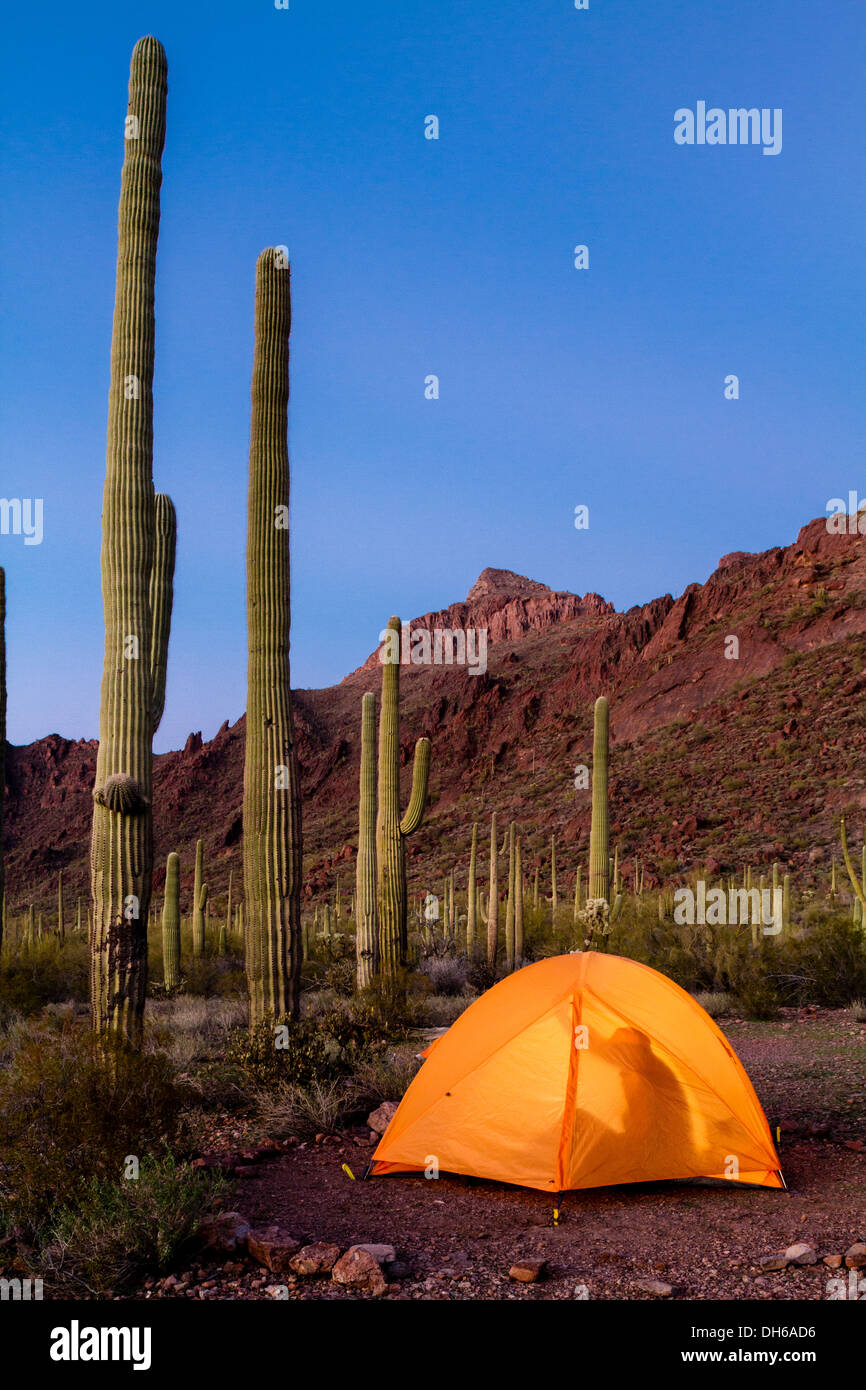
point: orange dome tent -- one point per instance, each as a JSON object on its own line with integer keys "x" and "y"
{"x": 582, "y": 1071}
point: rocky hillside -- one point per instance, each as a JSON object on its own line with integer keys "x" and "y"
{"x": 720, "y": 757}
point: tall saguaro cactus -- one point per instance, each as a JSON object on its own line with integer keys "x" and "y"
{"x": 366, "y": 942}
{"x": 391, "y": 831}
{"x": 599, "y": 866}
{"x": 272, "y": 795}
{"x": 171, "y": 924}
{"x": 133, "y": 568}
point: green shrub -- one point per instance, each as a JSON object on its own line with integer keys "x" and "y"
{"x": 713, "y": 1002}
{"x": 119, "y": 1230}
{"x": 319, "y": 1107}
{"x": 68, "y": 1115}
{"x": 49, "y": 972}
{"x": 825, "y": 963}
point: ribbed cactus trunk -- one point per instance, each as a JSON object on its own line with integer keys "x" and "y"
{"x": 553, "y": 882}
{"x": 599, "y": 885}
{"x": 226, "y": 926}
{"x": 122, "y": 840}
{"x": 509, "y": 904}
{"x": 171, "y": 924}
{"x": 197, "y": 902}
{"x": 272, "y": 796}
{"x": 2, "y": 737}
{"x": 61, "y": 924}
{"x": 366, "y": 939}
{"x": 518, "y": 902}
{"x": 472, "y": 894}
{"x": 391, "y": 831}
{"x": 493, "y": 898}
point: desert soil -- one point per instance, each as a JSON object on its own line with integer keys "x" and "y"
{"x": 457, "y": 1239}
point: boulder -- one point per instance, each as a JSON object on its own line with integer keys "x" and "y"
{"x": 225, "y": 1234}
{"x": 801, "y": 1254}
{"x": 526, "y": 1271}
{"x": 385, "y": 1254}
{"x": 318, "y": 1258}
{"x": 272, "y": 1248}
{"x": 360, "y": 1271}
{"x": 770, "y": 1263}
{"x": 380, "y": 1118}
{"x": 855, "y": 1257}
{"x": 654, "y": 1287}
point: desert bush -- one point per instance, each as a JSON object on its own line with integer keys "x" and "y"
{"x": 191, "y": 1029}
{"x": 318, "y": 1107}
{"x": 713, "y": 1002}
{"x": 825, "y": 963}
{"x": 48, "y": 972}
{"x": 385, "y": 1077}
{"x": 69, "y": 1115}
{"x": 858, "y": 1009}
{"x": 447, "y": 974}
{"x": 313, "y": 1049}
{"x": 119, "y": 1230}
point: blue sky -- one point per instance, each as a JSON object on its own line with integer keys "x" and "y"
{"x": 557, "y": 387}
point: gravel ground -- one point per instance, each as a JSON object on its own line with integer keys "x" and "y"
{"x": 458, "y": 1238}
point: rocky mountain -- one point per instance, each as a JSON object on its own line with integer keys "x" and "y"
{"x": 737, "y": 718}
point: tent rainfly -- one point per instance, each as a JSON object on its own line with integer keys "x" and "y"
{"x": 583, "y": 1070}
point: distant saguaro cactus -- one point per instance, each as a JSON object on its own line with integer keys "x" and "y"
{"x": 199, "y": 899}
{"x": 171, "y": 924}
{"x": 366, "y": 941}
{"x": 61, "y": 925}
{"x": 518, "y": 901}
{"x": 122, "y": 840}
{"x": 272, "y": 796}
{"x": 226, "y": 926}
{"x": 391, "y": 831}
{"x": 510, "y": 902}
{"x": 599, "y": 869}
{"x": 858, "y": 884}
{"x": 493, "y": 899}
{"x": 472, "y": 894}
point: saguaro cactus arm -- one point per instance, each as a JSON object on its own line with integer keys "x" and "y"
{"x": 417, "y": 801}
{"x": 859, "y": 888}
{"x": 161, "y": 598}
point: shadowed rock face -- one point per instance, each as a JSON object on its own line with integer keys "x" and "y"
{"x": 767, "y": 748}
